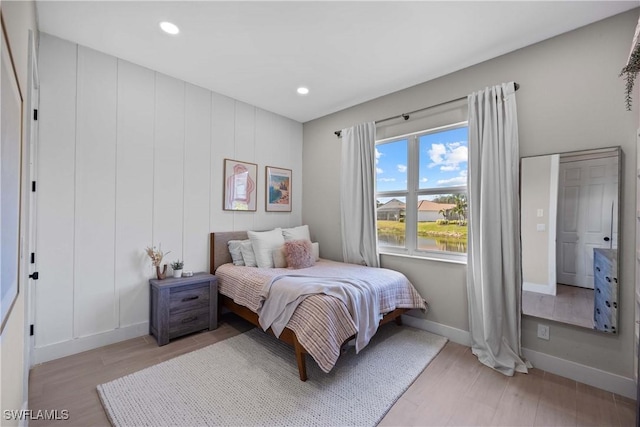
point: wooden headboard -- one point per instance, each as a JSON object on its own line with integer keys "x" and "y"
{"x": 218, "y": 247}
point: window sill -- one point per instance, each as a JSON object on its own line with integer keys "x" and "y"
{"x": 460, "y": 261}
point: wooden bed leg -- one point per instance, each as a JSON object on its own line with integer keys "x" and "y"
{"x": 399, "y": 320}
{"x": 300, "y": 357}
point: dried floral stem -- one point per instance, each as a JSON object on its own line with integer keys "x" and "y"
{"x": 156, "y": 255}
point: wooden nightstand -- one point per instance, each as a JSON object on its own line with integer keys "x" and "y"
{"x": 183, "y": 306}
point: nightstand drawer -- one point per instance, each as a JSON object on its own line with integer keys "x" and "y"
{"x": 187, "y": 322}
{"x": 191, "y": 298}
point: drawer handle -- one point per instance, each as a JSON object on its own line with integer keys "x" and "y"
{"x": 615, "y": 279}
{"x": 608, "y": 279}
{"x": 598, "y": 268}
{"x": 598, "y": 310}
{"x": 615, "y": 304}
{"x": 607, "y": 304}
{"x": 190, "y": 298}
{"x": 190, "y": 319}
{"x": 598, "y": 289}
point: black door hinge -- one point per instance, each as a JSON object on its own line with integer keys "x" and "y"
{"x": 31, "y": 328}
{"x": 34, "y": 276}
{"x": 35, "y": 114}
{"x": 33, "y": 186}
{"x": 33, "y": 257}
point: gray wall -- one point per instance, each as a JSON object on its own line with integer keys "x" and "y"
{"x": 571, "y": 98}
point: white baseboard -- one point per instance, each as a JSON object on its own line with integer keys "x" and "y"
{"x": 24, "y": 422}
{"x": 582, "y": 373}
{"x": 456, "y": 335}
{"x": 565, "y": 368}
{"x": 78, "y": 345}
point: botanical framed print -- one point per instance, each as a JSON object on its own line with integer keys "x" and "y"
{"x": 10, "y": 171}
{"x": 239, "y": 185}
{"x": 278, "y": 189}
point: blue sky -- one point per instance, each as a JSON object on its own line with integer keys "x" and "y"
{"x": 443, "y": 161}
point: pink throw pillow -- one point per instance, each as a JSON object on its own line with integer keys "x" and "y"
{"x": 299, "y": 253}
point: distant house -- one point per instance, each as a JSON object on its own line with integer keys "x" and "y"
{"x": 393, "y": 210}
{"x": 431, "y": 211}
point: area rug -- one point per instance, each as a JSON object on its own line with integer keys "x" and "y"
{"x": 252, "y": 380}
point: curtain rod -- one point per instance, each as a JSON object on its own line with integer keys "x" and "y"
{"x": 407, "y": 115}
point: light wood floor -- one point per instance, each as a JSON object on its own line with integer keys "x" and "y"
{"x": 571, "y": 304}
{"x": 454, "y": 390}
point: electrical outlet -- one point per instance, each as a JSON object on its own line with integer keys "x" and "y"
{"x": 543, "y": 331}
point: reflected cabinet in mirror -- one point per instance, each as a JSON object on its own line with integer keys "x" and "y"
{"x": 569, "y": 229}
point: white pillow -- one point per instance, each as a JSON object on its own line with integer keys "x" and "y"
{"x": 247, "y": 254}
{"x": 264, "y": 242}
{"x": 279, "y": 258}
{"x": 315, "y": 247}
{"x": 236, "y": 253}
{"x": 296, "y": 233}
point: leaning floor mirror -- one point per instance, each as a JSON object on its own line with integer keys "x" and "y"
{"x": 569, "y": 207}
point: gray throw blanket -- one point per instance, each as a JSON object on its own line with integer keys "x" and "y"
{"x": 282, "y": 294}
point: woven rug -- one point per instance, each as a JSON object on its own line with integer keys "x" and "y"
{"x": 252, "y": 379}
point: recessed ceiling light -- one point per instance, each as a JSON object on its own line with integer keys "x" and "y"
{"x": 303, "y": 90}
{"x": 169, "y": 28}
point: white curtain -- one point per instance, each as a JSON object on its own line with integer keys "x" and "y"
{"x": 357, "y": 195}
{"x": 494, "y": 267}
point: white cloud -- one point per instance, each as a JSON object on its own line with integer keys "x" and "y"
{"x": 402, "y": 168}
{"x": 379, "y": 170}
{"x": 457, "y": 181}
{"x": 386, "y": 179}
{"x": 378, "y": 155}
{"x": 424, "y": 180}
{"x": 448, "y": 156}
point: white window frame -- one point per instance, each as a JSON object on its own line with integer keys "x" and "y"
{"x": 411, "y": 195}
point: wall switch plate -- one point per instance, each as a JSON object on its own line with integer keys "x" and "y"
{"x": 540, "y": 227}
{"x": 543, "y": 331}
{"x": 540, "y": 213}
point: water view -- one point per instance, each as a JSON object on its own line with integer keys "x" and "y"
{"x": 448, "y": 244}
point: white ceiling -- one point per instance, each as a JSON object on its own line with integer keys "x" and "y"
{"x": 344, "y": 52}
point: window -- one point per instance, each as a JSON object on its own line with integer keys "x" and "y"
{"x": 422, "y": 193}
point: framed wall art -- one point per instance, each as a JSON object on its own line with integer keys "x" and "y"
{"x": 278, "y": 189}
{"x": 239, "y": 185}
{"x": 10, "y": 170}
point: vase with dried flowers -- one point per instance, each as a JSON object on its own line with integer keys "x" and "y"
{"x": 156, "y": 256}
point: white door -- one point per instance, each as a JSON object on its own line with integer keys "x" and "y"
{"x": 587, "y": 216}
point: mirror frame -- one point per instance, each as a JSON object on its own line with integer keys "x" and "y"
{"x": 606, "y": 296}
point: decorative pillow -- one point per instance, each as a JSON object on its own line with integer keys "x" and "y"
{"x": 264, "y": 242}
{"x": 279, "y": 258}
{"x": 316, "y": 250}
{"x": 299, "y": 253}
{"x": 236, "y": 253}
{"x": 296, "y": 233}
{"x": 248, "y": 256}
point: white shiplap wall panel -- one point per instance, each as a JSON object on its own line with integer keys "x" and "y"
{"x": 56, "y": 195}
{"x": 197, "y": 178}
{"x": 147, "y": 168}
{"x": 271, "y": 150}
{"x": 95, "y": 299}
{"x": 294, "y": 139}
{"x": 168, "y": 170}
{"x": 134, "y": 190}
{"x": 245, "y": 152}
{"x": 223, "y": 128}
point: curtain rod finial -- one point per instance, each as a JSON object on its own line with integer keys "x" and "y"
{"x": 338, "y": 133}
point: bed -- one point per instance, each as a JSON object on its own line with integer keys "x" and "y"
{"x": 321, "y": 325}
